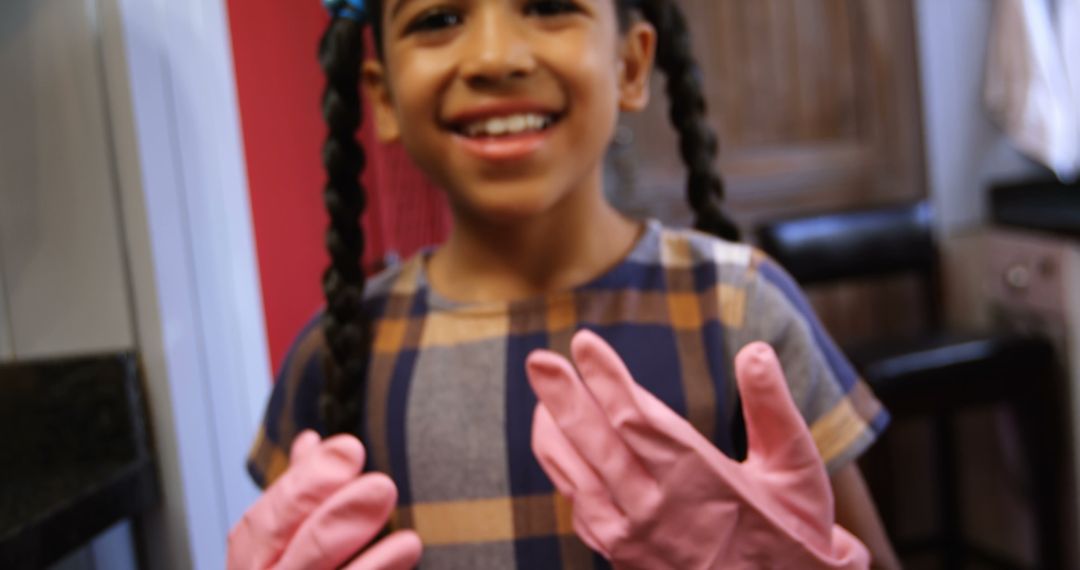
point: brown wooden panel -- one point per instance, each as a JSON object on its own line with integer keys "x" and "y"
{"x": 816, "y": 103}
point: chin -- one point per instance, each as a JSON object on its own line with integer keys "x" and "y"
{"x": 505, "y": 203}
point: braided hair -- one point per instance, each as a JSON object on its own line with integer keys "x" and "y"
{"x": 698, "y": 144}
{"x": 346, "y": 326}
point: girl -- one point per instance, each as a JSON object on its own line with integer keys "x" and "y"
{"x": 509, "y": 106}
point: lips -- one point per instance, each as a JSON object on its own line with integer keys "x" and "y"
{"x": 505, "y": 131}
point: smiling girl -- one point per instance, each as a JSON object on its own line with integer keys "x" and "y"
{"x": 509, "y": 106}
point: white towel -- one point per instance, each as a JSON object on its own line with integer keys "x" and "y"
{"x": 1068, "y": 32}
{"x": 1033, "y": 80}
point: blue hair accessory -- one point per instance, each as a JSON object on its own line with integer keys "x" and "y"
{"x": 351, "y": 9}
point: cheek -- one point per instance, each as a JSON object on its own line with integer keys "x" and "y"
{"x": 589, "y": 63}
{"x": 596, "y": 94}
{"x": 415, "y": 103}
{"x": 416, "y": 78}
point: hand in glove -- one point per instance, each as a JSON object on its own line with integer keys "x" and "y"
{"x": 321, "y": 513}
{"x": 650, "y": 492}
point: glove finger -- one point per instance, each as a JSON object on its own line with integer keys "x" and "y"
{"x": 776, "y": 433}
{"x": 596, "y": 519}
{"x": 303, "y": 445}
{"x": 399, "y": 551}
{"x": 552, "y": 450}
{"x": 342, "y": 525}
{"x": 847, "y": 550}
{"x": 584, "y": 531}
{"x": 653, "y": 431}
{"x": 580, "y": 419}
{"x": 266, "y": 528}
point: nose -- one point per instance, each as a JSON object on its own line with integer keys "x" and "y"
{"x": 497, "y": 48}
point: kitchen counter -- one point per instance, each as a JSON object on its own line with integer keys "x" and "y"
{"x": 75, "y": 454}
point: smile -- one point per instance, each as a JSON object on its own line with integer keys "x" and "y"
{"x": 510, "y": 125}
{"x": 508, "y": 138}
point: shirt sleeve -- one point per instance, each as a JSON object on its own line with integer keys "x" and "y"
{"x": 843, "y": 415}
{"x": 293, "y": 406}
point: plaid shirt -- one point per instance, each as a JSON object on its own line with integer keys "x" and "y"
{"x": 450, "y": 409}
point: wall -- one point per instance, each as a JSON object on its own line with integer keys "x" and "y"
{"x": 965, "y": 150}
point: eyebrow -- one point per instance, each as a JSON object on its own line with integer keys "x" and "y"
{"x": 398, "y": 7}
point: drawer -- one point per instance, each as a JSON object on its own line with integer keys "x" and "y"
{"x": 1026, "y": 272}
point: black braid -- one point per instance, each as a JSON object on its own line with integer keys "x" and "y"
{"x": 345, "y": 326}
{"x": 698, "y": 144}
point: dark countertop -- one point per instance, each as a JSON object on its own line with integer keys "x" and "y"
{"x": 75, "y": 454}
{"x": 1047, "y": 206}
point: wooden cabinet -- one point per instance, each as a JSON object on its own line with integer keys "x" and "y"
{"x": 816, "y": 103}
{"x": 1026, "y": 281}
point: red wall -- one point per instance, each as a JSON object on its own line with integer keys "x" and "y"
{"x": 278, "y": 86}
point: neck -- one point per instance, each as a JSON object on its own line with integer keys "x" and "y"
{"x": 576, "y": 240}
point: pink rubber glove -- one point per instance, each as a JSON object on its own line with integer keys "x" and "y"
{"x": 650, "y": 492}
{"x": 319, "y": 514}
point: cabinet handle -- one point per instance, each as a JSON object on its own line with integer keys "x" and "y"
{"x": 1018, "y": 277}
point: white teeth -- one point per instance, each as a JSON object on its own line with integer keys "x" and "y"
{"x": 496, "y": 127}
{"x": 517, "y": 123}
{"x": 512, "y": 125}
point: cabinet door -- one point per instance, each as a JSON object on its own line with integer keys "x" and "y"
{"x": 816, "y": 103}
{"x": 63, "y": 267}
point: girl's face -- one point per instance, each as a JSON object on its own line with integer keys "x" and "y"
{"x": 509, "y": 105}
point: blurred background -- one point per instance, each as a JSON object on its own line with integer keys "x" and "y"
{"x": 912, "y": 162}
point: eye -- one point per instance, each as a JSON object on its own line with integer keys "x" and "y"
{"x": 548, "y": 8}
{"x": 434, "y": 20}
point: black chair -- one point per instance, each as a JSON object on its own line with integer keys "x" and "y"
{"x": 938, "y": 372}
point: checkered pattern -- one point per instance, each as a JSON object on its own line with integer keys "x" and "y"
{"x": 450, "y": 409}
